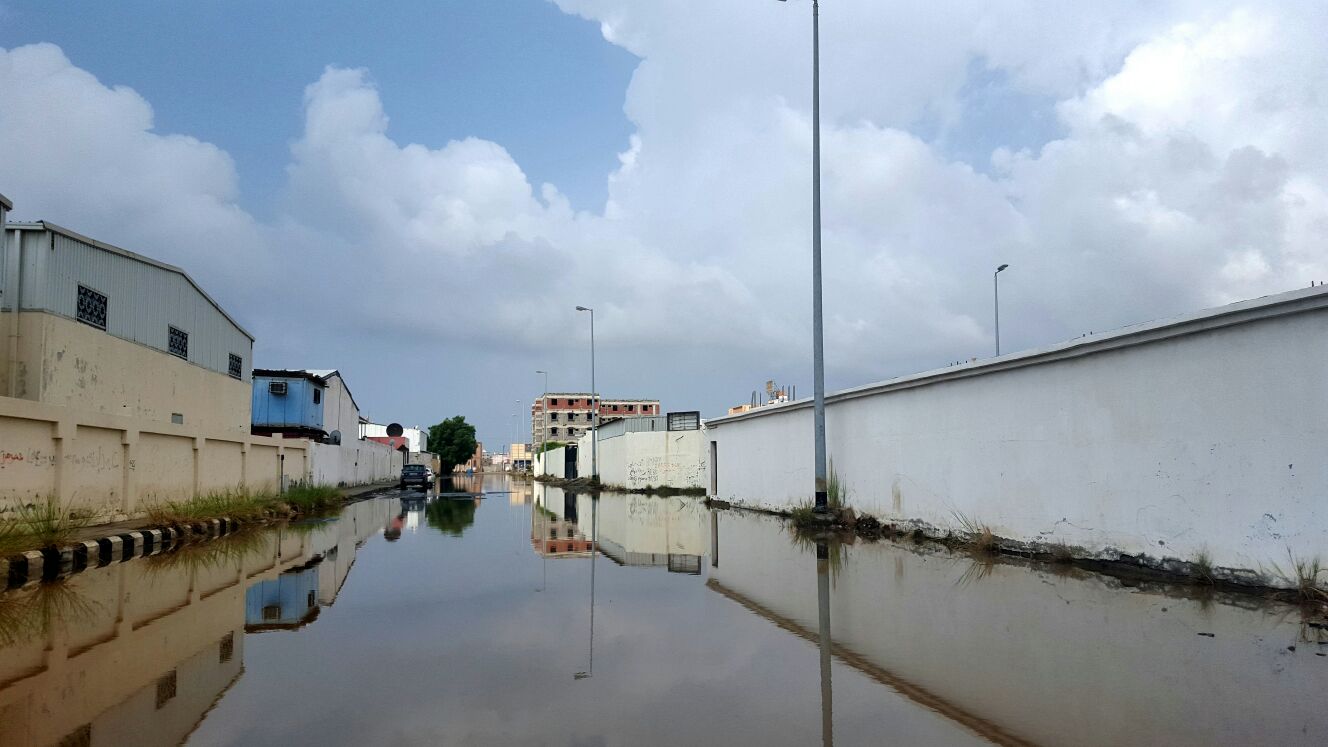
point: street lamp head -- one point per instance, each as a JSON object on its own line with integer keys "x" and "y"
{"x": 582, "y": 308}
{"x": 540, "y": 372}
{"x": 1002, "y": 267}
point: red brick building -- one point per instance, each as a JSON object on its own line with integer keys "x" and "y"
{"x": 564, "y": 416}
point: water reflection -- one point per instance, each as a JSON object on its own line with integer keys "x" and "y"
{"x": 633, "y": 530}
{"x": 1023, "y": 655}
{"x": 138, "y": 652}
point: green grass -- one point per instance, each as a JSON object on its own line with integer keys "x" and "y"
{"x": 245, "y": 506}
{"x": 39, "y": 524}
{"x": 1202, "y": 567}
{"x": 226, "y": 504}
{"x": 312, "y": 499}
{"x": 1304, "y": 576}
{"x": 835, "y": 495}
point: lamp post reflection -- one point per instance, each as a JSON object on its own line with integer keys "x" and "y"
{"x": 823, "y": 614}
{"x": 594, "y": 550}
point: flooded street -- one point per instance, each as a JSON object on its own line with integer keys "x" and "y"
{"x": 489, "y": 620}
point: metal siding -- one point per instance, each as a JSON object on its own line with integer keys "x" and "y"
{"x": 143, "y": 300}
{"x": 294, "y": 409}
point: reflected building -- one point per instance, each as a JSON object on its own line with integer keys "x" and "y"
{"x": 634, "y": 530}
{"x": 138, "y": 652}
{"x": 1022, "y": 654}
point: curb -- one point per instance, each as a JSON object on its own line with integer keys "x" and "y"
{"x": 52, "y": 563}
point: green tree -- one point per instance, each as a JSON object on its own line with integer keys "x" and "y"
{"x": 453, "y": 440}
{"x": 451, "y": 515}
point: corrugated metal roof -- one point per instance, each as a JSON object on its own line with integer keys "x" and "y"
{"x": 52, "y": 227}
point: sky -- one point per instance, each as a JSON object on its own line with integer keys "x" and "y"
{"x": 421, "y": 194}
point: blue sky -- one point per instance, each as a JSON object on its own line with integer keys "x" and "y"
{"x": 543, "y": 84}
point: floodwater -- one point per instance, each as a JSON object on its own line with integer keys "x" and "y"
{"x": 488, "y": 620}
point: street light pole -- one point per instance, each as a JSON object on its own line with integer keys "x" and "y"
{"x": 594, "y": 401}
{"x": 996, "y": 287}
{"x": 818, "y": 327}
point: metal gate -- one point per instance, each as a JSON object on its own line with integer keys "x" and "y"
{"x": 569, "y": 462}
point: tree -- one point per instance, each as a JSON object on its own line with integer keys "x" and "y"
{"x": 450, "y": 515}
{"x": 453, "y": 440}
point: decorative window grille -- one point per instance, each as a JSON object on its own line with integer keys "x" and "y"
{"x": 227, "y": 648}
{"x": 91, "y": 307}
{"x": 177, "y": 342}
{"x": 235, "y": 367}
{"x": 277, "y": 388}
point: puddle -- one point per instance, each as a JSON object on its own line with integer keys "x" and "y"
{"x": 558, "y": 618}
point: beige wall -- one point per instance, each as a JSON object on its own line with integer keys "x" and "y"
{"x": 112, "y": 467}
{"x": 64, "y": 362}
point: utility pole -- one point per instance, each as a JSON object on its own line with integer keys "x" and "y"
{"x": 818, "y": 326}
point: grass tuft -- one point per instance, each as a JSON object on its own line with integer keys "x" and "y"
{"x": 1304, "y": 576}
{"x": 40, "y": 524}
{"x": 1202, "y": 568}
{"x": 978, "y": 537}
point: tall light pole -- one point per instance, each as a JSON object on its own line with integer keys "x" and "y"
{"x": 996, "y": 286}
{"x": 818, "y": 341}
{"x": 594, "y": 401}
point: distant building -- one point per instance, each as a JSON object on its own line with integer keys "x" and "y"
{"x": 566, "y": 416}
{"x": 416, "y": 437}
{"x": 519, "y": 456}
{"x": 774, "y": 395}
{"x": 96, "y": 327}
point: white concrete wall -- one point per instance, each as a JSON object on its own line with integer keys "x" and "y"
{"x": 339, "y": 411}
{"x": 1200, "y": 435}
{"x": 675, "y": 459}
{"x": 557, "y": 463}
{"x": 353, "y": 463}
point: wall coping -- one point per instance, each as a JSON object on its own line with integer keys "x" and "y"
{"x": 1299, "y": 301}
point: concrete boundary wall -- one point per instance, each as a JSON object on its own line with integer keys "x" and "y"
{"x": 556, "y": 460}
{"x": 353, "y": 462}
{"x": 1198, "y": 435}
{"x": 642, "y": 459}
{"x": 113, "y": 468}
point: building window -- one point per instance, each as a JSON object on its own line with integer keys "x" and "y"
{"x": 177, "y": 342}
{"x": 553, "y": 401}
{"x": 615, "y": 408}
{"x": 318, "y": 395}
{"x": 632, "y": 408}
{"x": 553, "y": 416}
{"x": 91, "y": 307}
{"x": 165, "y": 688}
{"x": 554, "y": 430}
{"x": 235, "y": 367}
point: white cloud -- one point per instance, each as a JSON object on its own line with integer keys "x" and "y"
{"x": 1193, "y": 170}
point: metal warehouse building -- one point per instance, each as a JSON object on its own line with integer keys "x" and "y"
{"x": 101, "y": 328}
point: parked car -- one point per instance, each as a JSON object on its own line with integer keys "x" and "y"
{"x": 418, "y": 475}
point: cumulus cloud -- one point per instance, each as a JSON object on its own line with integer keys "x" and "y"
{"x": 1190, "y": 168}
